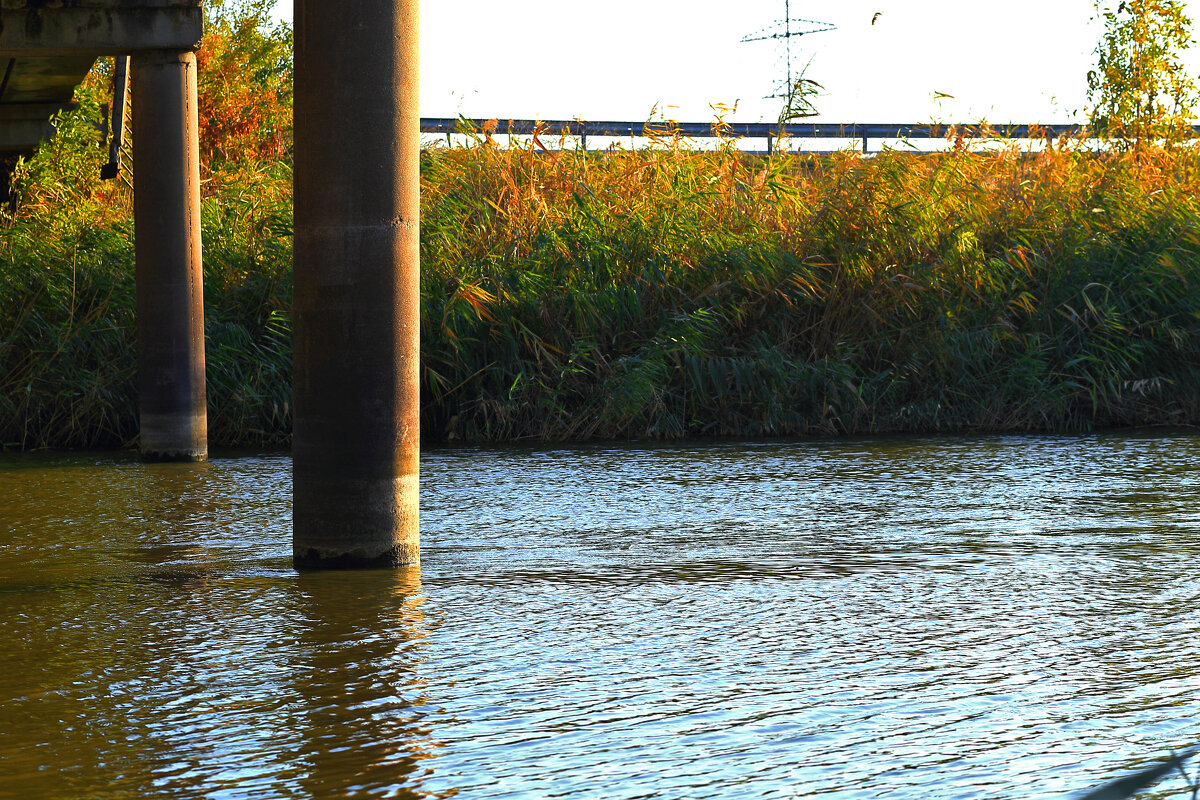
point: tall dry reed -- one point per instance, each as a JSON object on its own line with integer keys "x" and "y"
{"x": 664, "y": 293}
{"x": 673, "y": 292}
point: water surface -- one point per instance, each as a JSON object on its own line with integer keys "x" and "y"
{"x": 979, "y": 617}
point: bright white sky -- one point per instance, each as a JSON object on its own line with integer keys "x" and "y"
{"x": 1016, "y": 61}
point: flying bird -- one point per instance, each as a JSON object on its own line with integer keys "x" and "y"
{"x": 939, "y": 95}
{"x": 878, "y": 14}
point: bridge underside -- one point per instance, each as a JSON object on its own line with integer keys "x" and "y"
{"x": 46, "y": 49}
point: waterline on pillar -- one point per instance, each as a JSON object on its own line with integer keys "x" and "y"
{"x": 402, "y": 555}
{"x": 342, "y": 522}
{"x": 174, "y": 437}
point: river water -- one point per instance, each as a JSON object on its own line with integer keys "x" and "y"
{"x": 983, "y": 617}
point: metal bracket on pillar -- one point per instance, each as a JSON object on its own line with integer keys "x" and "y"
{"x": 120, "y": 91}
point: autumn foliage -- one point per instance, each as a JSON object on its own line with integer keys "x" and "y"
{"x": 245, "y": 86}
{"x": 1140, "y": 90}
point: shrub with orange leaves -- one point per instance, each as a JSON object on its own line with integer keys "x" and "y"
{"x": 244, "y": 74}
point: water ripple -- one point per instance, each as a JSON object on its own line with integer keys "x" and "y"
{"x": 937, "y": 618}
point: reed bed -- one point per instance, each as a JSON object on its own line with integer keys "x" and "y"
{"x": 671, "y": 293}
{"x": 67, "y": 299}
{"x": 663, "y": 293}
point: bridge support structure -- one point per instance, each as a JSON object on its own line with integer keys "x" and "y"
{"x": 170, "y": 296}
{"x": 356, "y": 304}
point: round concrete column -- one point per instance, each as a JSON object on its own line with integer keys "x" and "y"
{"x": 357, "y": 287}
{"x": 170, "y": 296}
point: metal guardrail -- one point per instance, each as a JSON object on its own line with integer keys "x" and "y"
{"x": 755, "y": 130}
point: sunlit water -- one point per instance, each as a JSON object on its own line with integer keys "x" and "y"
{"x": 909, "y": 618}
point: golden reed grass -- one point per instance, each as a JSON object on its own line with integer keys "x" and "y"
{"x": 666, "y": 293}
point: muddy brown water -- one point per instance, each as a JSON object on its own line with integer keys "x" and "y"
{"x": 982, "y": 617}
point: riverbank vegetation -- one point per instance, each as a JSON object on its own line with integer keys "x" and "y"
{"x": 676, "y": 293}
{"x": 663, "y": 293}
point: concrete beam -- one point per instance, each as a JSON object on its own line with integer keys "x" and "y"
{"x": 33, "y": 27}
{"x": 24, "y": 136}
{"x": 24, "y": 126}
{"x": 36, "y": 112}
{"x": 42, "y": 79}
{"x": 104, "y": 5}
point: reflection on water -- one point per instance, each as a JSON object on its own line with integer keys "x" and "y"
{"x": 364, "y": 703}
{"x": 949, "y": 618}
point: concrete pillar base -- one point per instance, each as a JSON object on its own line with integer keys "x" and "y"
{"x": 173, "y": 437}
{"x": 398, "y": 556}
{"x": 353, "y": 523}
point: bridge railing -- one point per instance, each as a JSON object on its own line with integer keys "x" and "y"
{"x": 771, "y": 132}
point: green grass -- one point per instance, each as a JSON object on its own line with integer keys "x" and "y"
{"x": 665, "y": 293}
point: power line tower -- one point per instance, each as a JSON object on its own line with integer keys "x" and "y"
{"x": 787, "y": 29}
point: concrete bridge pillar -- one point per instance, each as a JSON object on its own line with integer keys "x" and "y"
{"x": 170, "y": 297}
{"x": 357, "y": 290}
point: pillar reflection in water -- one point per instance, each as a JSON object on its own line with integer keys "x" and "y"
{"x": 366, "y": 719}
{"x": 170, "y": 668}
{"x": 173, "y": 506}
